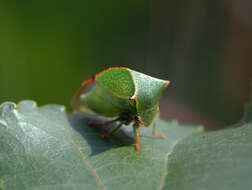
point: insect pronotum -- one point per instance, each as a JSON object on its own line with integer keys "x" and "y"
{"x": 126, "y": 95}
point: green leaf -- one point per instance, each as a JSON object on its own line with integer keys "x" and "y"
{"x": 45, "y": 148}
{"x": 213, "y": 160}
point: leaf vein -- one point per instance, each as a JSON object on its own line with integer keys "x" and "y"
{"x": 165, "y": 162}
{"x": 93, "y": 172}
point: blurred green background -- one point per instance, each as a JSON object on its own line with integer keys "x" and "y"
{"x": 47, "y": 48}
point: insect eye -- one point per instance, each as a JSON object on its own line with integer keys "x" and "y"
{"x": 136, "y": 118}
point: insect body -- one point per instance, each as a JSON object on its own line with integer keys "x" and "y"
{"x": 124, "y": 94}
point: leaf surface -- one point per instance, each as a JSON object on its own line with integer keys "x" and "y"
{"x": 45, "y": 148}
{"x": 213, "y": 160}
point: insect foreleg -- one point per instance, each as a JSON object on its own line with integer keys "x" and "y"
{"x": 136, "y": 135}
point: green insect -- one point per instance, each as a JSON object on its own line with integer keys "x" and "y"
{"x": 125, "y": 95}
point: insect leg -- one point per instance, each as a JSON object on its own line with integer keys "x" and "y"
{"x": 136, "y": 135}
{"x": 111, "y": 132}
{"x": 93, "y": 123}
{"x": 154, "y": 131}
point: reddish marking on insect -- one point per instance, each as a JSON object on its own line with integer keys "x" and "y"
{"x": 76, "y": 100}
{"x": 93, "y": 78}
{"x": 111, "y": 68}
{"x": 86, "y": 82}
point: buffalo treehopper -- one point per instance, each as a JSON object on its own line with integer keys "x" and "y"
{"x": 124, "y": 95}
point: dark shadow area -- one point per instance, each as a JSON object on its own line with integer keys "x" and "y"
{"x": 79, "y": 122}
